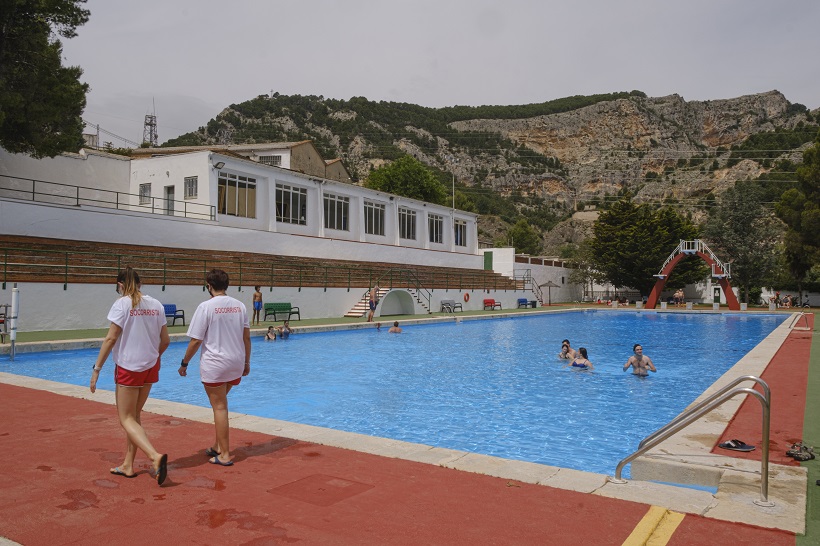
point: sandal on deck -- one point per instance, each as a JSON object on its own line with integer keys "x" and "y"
{"x": 736, "y": 445}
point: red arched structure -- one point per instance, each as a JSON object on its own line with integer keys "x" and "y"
{"x": 686, "y": 248}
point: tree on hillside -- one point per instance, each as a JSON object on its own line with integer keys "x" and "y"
{"x": 742, "y": 231}
{"x": 799, "y": 208}
{"x": 41, "y": 101}
{"x": 630, "y": 243}
{"x": 525, "y": 238}
{"x": 410, "y": 178}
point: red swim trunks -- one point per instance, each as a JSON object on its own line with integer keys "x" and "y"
{"x": 127, "y": 378}
{"x": 234, "y": 383}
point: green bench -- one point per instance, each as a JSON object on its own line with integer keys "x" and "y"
{"x": 280, "y": 309}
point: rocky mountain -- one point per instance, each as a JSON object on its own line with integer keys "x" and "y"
{"x": 544, "y": 161}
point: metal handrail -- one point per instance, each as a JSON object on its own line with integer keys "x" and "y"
{"x": 69, "y": 194}
{"x": 410, "y": 276}
{"x": 696, "y": 413}
{"x": 796, "y": 320}
{"x": 529, "y": 283}
{"x": 766, "y": 392}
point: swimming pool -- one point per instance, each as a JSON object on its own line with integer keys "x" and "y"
{"x": 486, "y": 386}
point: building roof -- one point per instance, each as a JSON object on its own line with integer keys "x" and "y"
{"x": 236, "y": 148}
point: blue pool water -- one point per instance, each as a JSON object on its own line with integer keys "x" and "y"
{"x": 484, "y": 386}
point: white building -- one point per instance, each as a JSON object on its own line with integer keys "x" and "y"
{"x": 239, "y": 192}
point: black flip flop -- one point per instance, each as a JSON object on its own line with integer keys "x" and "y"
{"x": 736, "y": 445}
{"x": 162, "y": 471}
{"x": 211, "y": 452}
{"x": 118, "y": 472}
{"x": 215, "y": 460}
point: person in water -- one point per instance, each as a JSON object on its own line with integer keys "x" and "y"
{"x": 567, "y": 352}
{"x": 271, "y": 335}
{"x": 639, "y": 362}
{"x": 581, "y": 362}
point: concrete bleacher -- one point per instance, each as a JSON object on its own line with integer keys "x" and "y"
{"x": 48, "y": 260}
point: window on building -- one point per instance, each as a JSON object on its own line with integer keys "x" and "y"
{"x": 274, "y": 160}
{"x": 291, "y": 204}
{"x": 236, "y": 195}
{"x": 435, "y": 227}
{"x": 190, "y": 187}
{"x": 460, "y": 232}
{"x": 407, "y": 223}
{"x": 337, "y": 212}
{"x": 145, "y": 194}
{"x": 373, "y": 218}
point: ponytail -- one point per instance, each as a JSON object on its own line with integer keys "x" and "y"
{"x": 130, "y": 280}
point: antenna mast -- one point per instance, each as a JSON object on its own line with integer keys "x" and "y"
{"x": 149, "y": 129}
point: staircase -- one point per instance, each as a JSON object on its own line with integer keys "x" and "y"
{"x": 418, "y": 298}
{"x": 363, "y": 305}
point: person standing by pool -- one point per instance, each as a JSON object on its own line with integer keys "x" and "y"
{"x": 220, "y": 326}
{"x": 257, "y": 304}
{"x": 581, "y": 362}
{"x": 373, "y": 303}
{"x": 640, "y": 362}
{"x": 138, "y": 336}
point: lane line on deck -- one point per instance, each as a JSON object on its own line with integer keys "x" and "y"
{"x": 656, "y": 527}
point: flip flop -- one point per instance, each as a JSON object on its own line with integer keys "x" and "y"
{"x": 215, "y": 460}
{"x": 118, "y": 472}
{"x": 211, "y": 452}
{"x": 162, "y": 471}
{"x": 736, "y": 445}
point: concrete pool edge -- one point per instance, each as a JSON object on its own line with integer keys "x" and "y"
{"x": 737, "y": 487}
{"x": 687, "y": 456}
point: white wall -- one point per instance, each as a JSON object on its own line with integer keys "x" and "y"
{"x": 565, "y": 292}
{"x": 86, "y": 224}
{"x": 88, "y": 169}
{"x": 503, "y": 260}
{"x": 46, "y": 306}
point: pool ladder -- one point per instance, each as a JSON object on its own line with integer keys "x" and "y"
{"x": 693, "y": 414}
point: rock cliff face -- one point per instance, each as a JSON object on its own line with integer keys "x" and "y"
{"x": 657, "y": 146}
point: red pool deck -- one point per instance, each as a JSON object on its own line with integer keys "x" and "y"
{"x": 56, "y": 488}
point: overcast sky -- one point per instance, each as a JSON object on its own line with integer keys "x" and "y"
{"x": 192, "y": 58}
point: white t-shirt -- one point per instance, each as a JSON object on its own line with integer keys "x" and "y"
{"x": 220, "y": 323}
{"x": 137, "y": 348}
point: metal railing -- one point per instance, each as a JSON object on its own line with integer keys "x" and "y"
{"x": 523, "y": 280}
{"x": 796, "y": 320}
{"x": 693, "y": 414}
{"x": 693, "y": 247}
{"x": 54, "y": 193}
{"x": 401, "y": 278}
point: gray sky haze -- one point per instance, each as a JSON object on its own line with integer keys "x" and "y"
{"x": 192, "y": 58}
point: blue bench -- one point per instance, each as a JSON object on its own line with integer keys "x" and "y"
{"x": 171, "y": 312}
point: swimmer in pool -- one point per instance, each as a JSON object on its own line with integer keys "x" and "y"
{"x": 581, "y": 362}
{"x": 639, "y": 362}
{"x": 567, "y": 352}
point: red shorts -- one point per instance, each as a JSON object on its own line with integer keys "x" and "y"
{"x": 234, "y": 383}
{"x": 127, "y": 378}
